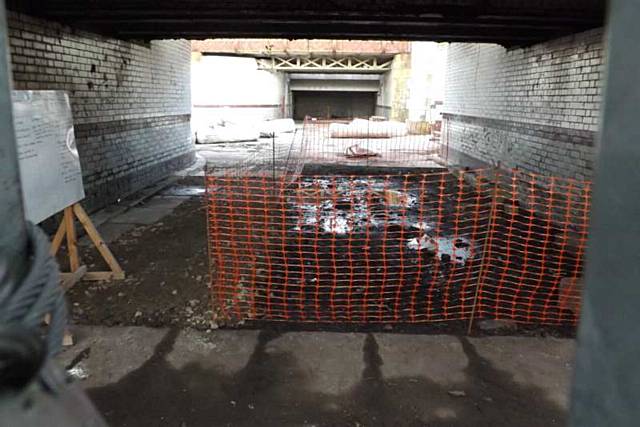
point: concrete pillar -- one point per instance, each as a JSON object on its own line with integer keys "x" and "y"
{"x": 12, "y": 224}
{"x": 607, "y": 377}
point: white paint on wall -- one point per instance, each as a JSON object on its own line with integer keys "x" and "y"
{"x": 234, "y": 89}
{"x": 425, "y": 86}
{"x": 383, "y": 107}
{"x": 427, "y": 81}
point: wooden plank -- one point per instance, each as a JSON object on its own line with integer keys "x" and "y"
{"x": 57, "y": 239}
{"x": 98, "y": 241}
{"x": 70, "y": 279}
{"x": 103, "y": 275}
{"x": 67, "y": 339}
{"x": 72, "y": 244}
{"x": 94, "y": 275}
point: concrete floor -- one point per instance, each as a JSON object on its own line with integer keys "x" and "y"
{"x": 394, "y": 152}
{"x": 223, "y": 157}
{"x": 146, "y": 213}
{"x": 414, "y": 150}
{"x": 141, "y": 377}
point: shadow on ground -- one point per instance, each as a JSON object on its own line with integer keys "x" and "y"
{"x": 272, "y": 390}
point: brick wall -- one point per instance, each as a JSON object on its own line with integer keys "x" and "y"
{"x": 131, "y": 101}
{"x": 534, "y": 108}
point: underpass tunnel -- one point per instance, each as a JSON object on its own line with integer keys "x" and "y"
{"x": 132, "y": 106}
{"x": 511, "y": 91}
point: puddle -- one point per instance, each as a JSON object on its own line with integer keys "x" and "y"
{"x": 354, "y": 208}
{"x": 345, "y": 206}
{"x": 183, "y": 190}
{"x": 336, "y": 224}
{"x": 78, "y": 372}
{"x": 456, "y": 250}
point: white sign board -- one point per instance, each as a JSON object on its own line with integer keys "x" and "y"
{"x": 49, "y": 162}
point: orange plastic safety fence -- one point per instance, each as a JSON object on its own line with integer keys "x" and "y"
{"x": 398, "y": 248}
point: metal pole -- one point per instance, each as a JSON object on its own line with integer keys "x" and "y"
{"x": 495, "y": 179}
{"x": 13, "y": 238}
{"x": 273, "y": 156}
{"x": 607, "y": 376}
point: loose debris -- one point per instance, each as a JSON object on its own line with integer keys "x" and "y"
{"x": 76, "y": 368}
{"x": 457, "y": 393}
{"x": 78, "y": 372}
{"x": 398, "y": 198}
{"x": 352, "y": 206}
{"x": 492, "y": 325}
{"x": 357, "y": 152}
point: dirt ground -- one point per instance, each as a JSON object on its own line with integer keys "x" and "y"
{"x": 166, "y": 266}
{"x": 167, "y": 285}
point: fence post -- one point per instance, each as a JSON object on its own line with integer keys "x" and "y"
{"x": 273, "y": 156}
{"x": 487, "y": 244}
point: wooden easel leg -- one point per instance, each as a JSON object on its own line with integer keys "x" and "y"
{"x": 70, "y": 279}
{"x": 72, "y": 244}
{"x": 98, "y": 241}
{"x": 67, "y": 339}
{"x": 57, "y": 239}
{"x": 67, "y": 228}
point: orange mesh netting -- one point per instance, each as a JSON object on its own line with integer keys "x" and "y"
{"x": 410, "y": 248}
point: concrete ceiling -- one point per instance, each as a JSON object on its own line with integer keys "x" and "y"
{"x": 508, "y": 22}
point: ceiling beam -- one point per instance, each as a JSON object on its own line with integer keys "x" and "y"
{"x": 498, "y": 21}
{"x": 432, "y": 31}
{"x": 593, "y": 8}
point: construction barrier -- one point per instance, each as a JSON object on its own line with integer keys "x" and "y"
{"x": 410, "y": 248}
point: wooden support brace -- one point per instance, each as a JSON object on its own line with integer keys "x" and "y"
{"x": 72, "y": 243}
{"x": 57, "y": 239}
{"x": 78, "y": 272}
{"x": 70, "y": 279}
{"x": 67, "y": 338}
{"x": 116, "y": 271}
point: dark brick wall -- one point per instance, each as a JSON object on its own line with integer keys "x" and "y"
{"x": 131, "y": 101}
{"x": 535, "y": 108}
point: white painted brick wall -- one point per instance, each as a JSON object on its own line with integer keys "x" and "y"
{"x": 547, "y": 98}
{"x": 558, "y": 83}
{"x": 131, "y": 101}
